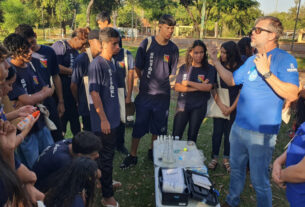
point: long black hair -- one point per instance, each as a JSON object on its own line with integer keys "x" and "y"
{"x": 233, "y": 55}
{"x": 188, "y": 57}
{"x": 70, "y": 181}
{"x": 12, "y": 185}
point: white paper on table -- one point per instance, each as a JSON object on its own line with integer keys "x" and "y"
{"x": 201, "y": 181}
{"x": 173, "y": 180}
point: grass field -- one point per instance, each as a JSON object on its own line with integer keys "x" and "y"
{"x": 138, "y": 182}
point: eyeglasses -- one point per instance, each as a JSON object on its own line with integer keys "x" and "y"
{"x": 258, "y": 30}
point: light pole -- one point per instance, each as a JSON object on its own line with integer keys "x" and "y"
{"x": 202, "y": 18}
{"x": 295, "y": 26}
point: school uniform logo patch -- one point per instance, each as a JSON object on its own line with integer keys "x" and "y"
{"x": 200, "y": 78}
{"x": 35, "y": 79}
{"x": 44, "y": 63}
{"x": 166, "y": 58}
{"x": 121, "y": 64}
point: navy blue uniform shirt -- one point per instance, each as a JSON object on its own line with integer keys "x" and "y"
{"x": 28, "y": 81}
{"x": 103, "y": 79}
{"x": 51, "y": 160}
{"x": 156, "y": 65}
{"x": 80, "y": 69}
{"x": 195, "y": 99}
{"x": 121, "y": 67}
{"x": 48, "y": 62}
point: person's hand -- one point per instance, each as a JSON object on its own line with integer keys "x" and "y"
{"x": 61, "y": 108}
{"x": 227, "y": 111}
{"x": 49, "y": 91}
{"x": 34, "y": 194}
{"x": 223, "y": 108}
{"x": 24, "y": 111}
{"x": 30, "y": 124}
{"x": 262, "y": 63}
{"x": 127, "y": 100}
{"x": 185, "y": 82}
{"x": 276, "y": 174}
{"x": 8, "y": 138}
{"x": 4, "y": 127}
{"x": 206, "y": 81}
{"x": 105, "y": 126}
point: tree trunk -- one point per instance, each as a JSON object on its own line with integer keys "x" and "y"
{"x": 196, "y": 24}
{"x": 114, "y": 17}
{"x": 88, "y": 12}
{"x": 63, "y": 27}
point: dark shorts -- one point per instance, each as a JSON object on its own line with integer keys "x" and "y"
{"x": 151, "y": 116}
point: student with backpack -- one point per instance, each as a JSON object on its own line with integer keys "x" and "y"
{"x": 155, "y": 63}
{"x": 79, "y": 81}
{"x": 66, "y": 52}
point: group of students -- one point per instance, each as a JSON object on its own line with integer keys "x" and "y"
{"x": 97, "y": 84}
{"x": 30, "y": 73}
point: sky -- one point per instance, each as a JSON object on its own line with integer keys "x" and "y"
{"x": 269, "y": 6}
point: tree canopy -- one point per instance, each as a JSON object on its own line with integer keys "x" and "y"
{"x": 230, "y": 17}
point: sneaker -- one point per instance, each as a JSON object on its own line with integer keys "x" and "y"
{"x": 122, "y": 150}
{"x": 150, "y": 154}
{"x": 129, "y": 161}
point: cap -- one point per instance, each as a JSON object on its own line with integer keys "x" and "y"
{"x": 93, "y": 34}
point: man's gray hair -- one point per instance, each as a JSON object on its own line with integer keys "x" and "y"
{"x": 275, "y": 25}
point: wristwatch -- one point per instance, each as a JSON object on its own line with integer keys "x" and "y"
{"x": 267, "y": 75}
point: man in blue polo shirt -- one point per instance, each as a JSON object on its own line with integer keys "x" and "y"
{"x": 157, "y": 59}
{"x": 49, "y": 68}
{"x": 268, "y": 78}
{"x": 28, "y": 89}
{"x": 80, "y": 70}
{"x": 66, "y": 52}
{"x": 105, "y": 114}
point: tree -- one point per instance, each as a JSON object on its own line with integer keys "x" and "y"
{"x": 216, "y": 10}
{"x": 154, "y": 9}
{"x": 14, "y": 13}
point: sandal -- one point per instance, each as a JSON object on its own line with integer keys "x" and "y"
{"x": 116, "y": 185}
{"x": 109, "y": 205}
{"x": 226, "y": 164}
{"x": 213, "y": 164}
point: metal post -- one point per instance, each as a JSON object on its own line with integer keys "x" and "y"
{"x": 132, "y": 20}
{"x": 202, "y": 18}
{"x": 295, "y": 26}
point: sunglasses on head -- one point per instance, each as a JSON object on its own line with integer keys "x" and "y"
{"x": 258, "y": 30}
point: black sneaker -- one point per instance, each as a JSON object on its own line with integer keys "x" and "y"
{"x": 122, "y": 150}
{"x": 150, "y": 154}
{"x": 129, "y": 161}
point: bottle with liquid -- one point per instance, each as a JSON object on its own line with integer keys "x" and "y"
{"x": 22, "y": 124}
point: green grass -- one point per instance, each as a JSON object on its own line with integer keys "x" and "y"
{"x": 138, "y": 182}
{"x": 301, "y": 64}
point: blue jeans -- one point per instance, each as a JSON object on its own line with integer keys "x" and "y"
{"x": 257, "y": 148}
{"x": 33, "y": 145}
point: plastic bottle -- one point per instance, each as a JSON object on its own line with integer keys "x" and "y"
{"x": 22, "y": 124}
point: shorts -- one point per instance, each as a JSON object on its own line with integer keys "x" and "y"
{"x": 151, "y": 116}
